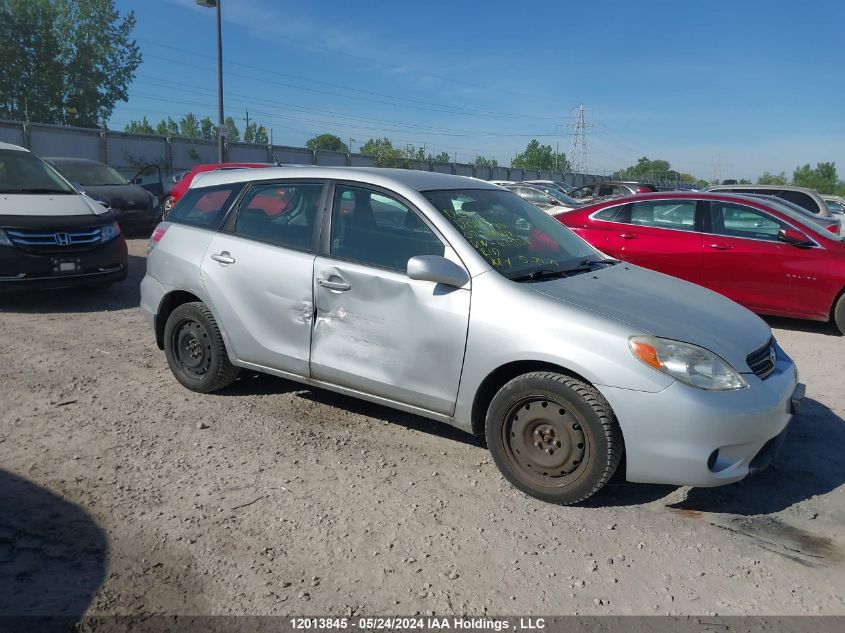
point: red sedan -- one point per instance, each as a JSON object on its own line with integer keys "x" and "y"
{"x": 764, "y": 255}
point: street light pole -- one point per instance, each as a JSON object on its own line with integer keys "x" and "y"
{"x": 221, "y": 127}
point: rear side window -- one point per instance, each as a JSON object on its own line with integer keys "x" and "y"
{"x": 801, "y": 199}
{"x": 283, "y": 214}
{"x": 665, "y": 214}
{"x": 205, "y": 207}
{"x": 612, "y": 214}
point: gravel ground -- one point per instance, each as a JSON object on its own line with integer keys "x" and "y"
{"x": 114, "y": 501}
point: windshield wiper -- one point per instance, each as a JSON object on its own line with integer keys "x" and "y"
{"x": 584, "y": 266}
{"x": 33, "y": 190}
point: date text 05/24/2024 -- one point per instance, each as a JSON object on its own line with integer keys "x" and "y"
{"x": 418, "y": 623}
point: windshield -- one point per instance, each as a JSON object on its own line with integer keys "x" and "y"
{"x": 91, "y": 174}
{"x": 512, "y": 235}
{"x": 21, "y": 172}
{"x": 557, "y": 193}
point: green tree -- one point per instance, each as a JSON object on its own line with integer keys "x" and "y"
{"x": 482, "y": 161}
{"x": 233, "y": 134}
{"x": 65, "y": 61}
{"x": 535, "y": 156}
{"x": 823, "y": 178}
{"x": 441, "y": 157}
{"x": 207, "y": 129}
{"x": 767, "y": 178}
{"x": 167, "y": 127}
{"x": 383, "y": 151}
{"x": 326, "y": 141}
{"x": 255, "y": 133}
{"x": 189, "y": 126}
{"x": 140, "y": 127}
{"x": 647, "y": 169}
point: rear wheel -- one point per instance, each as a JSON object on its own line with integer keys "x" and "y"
{"x": 553, "y": 437}
{"x": 195, "y": 349}
{"x": 839, "y": 313}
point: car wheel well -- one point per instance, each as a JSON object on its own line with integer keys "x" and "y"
{"x": 169, "y": 303}
{"x": 501, "y": 376}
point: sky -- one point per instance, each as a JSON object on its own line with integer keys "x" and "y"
{"x": 747, "y": 85}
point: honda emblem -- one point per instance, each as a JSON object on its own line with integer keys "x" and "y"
{"x": 62, "y": 239}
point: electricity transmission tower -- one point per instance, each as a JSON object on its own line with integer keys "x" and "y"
{"x": 578, "y": 158}
{"x": 717, "y": 170}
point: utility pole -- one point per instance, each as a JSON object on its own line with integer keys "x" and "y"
{"x": 221, "y": 126}
{"x": 247, "y": 118}
{"x": 349, "y": 147}
{"x": 579, "y": 141}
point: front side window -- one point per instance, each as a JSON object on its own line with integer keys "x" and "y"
{"x": 664, "y": 214}
{"x": 735, "y": 220}
{"x": 371, "y": 228}
{"x": 513, "y": 236}
{"x": 21, "y": 172}
{"x": 205, "y": 207}
{"x": 282, "y": 214}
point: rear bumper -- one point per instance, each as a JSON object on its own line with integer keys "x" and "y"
{"x": 687, "y": 436}
{"x": 22, "y": 270}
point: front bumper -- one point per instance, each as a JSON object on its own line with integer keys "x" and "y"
{"x": 138, "y": 218}
{"x": 23, "y": 270}
{"x": 688, "y": 436}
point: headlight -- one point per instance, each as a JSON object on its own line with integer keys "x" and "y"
{"x": 688, "y": 363}
{"x": 4, "y": 239}
{"x": 109, "y": 232}
{"x": 154, "y": 202}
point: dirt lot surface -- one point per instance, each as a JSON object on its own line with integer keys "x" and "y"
{"x": 112, "y": 500}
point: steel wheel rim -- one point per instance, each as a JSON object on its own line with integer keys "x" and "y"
{"x": 545, "y": 441}
{"x": 191, "y": 347}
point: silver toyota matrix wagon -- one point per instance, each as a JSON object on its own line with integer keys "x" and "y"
{"x": 457, "y": 300}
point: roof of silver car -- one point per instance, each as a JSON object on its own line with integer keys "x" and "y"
{"x": 412, "y": 178}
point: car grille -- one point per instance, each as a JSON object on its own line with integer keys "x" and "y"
{"x": 762, "y": 361}
{"x": 52, "y": 241}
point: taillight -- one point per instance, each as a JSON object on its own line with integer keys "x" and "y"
{"x": 833, "y": 228}
{"x": 643, "y": 190}
{"x": 158, "y": 233}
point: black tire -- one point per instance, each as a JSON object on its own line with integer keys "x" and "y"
{"x": 839, "y": 314}
{"x": 195, "y": 349}
{"x": 562, "y": 451}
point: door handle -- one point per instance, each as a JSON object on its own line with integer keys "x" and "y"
{"x": 628, "y": 236}
{"x": 334, "y": 285}
{"x": 720, "y": 246}
{"x": 223, "y": 258}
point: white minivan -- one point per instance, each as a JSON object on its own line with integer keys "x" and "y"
{"x": 51, "y": 235}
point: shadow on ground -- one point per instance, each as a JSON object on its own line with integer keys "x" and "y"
{"x": 52, "y": 553}
{"x": 252, "y": 384}
{"x": 98, "y": 298}
{"x": 809, "y": 464}
{"x": 799, "y": 325}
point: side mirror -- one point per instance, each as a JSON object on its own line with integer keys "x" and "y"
{"x": 437, "y": 269}
{"x": 794, "y": 237}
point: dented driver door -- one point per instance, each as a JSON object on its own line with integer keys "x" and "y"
{"x": 376, "y": 330}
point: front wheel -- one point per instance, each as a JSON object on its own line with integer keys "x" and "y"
{"x": 839, "y": 313}
{"x": 553, "y": 437}
{"x": 195, "y": 349}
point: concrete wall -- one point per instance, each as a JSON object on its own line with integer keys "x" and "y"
{"x": 128, "y": 152}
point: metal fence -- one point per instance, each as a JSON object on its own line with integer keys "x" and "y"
{"x": 129, "y": 152}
